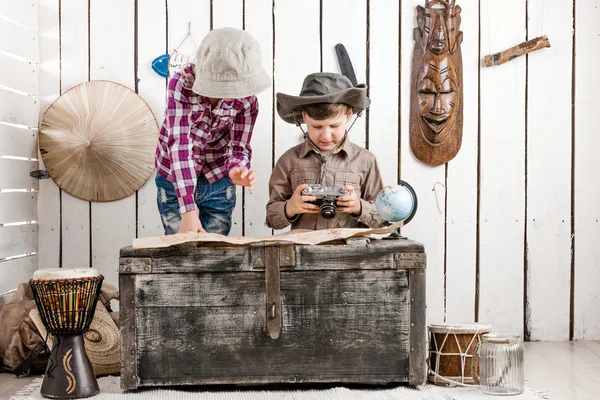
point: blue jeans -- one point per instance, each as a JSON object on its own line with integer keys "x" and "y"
{"x": 214, "y": 200}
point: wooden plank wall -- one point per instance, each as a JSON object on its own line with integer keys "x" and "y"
{"x": 585, "y": 228}
{"x": 548, "y": 204}
{"x": 19, "y": 115}
{"x": 460, "y": 267}
{"x": 510, "y": 225}
{"x": 502, "y": 169}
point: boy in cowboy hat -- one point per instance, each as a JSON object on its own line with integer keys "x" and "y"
{"x": 327, "y": 157}
{"x": 204, "y": 144}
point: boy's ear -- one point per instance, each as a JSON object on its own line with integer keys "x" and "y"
{"x": 348, "y": 115}
{"x": 303, "y": 117}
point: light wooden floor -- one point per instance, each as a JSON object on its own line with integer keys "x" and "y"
{"x": 569, "y": 370}
{"x": 9, "y": 384}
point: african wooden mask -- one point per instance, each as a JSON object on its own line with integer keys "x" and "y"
{"x": 436, "y": 108}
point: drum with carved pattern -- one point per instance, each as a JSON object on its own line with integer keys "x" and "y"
{"x": 66, "y": 300}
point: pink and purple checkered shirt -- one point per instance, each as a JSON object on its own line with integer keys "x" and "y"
{"x": 196, "y": 138}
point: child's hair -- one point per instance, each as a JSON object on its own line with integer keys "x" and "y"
{"x": 321, "y": 111}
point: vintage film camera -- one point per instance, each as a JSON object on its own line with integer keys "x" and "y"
{"x": 326, "y": 198}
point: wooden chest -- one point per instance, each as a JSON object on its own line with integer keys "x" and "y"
{"x": 273, "y": 313}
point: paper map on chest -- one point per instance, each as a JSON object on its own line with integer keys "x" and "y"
{"x": 299, "y": 236}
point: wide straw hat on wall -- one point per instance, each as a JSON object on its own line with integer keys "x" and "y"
{"x": 97, "y": 141}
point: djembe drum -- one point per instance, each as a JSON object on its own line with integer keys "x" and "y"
{"x": 451, "y": 349}
{"x": 66, "y": 300}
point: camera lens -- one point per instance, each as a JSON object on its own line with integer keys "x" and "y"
{"x": 328, "y": 209}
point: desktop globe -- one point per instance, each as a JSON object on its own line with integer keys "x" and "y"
{"x": 397, "y": 203}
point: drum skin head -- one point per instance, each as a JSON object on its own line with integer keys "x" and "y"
{"x": 64, "y": 273}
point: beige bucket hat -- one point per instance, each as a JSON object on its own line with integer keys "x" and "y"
{"x": 228, "y": 64}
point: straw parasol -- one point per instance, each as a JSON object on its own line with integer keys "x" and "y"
{"x": 97, "y": 141}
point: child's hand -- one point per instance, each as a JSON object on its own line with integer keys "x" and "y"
{"x": 242, "y": 177}
{"x": 299, "y": 204}
{"x": 349, "y": 203}
{"x": 190, "y": 223}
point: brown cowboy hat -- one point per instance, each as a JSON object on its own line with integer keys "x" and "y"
{"x": 322, "y": 87}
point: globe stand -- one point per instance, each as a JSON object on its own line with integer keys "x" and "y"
{"x": 395, "y": 235}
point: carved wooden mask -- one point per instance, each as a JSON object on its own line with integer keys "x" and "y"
{"x": 436, "y": 111}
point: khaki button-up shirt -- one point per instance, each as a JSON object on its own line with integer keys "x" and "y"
{"x": 349, "y": 165}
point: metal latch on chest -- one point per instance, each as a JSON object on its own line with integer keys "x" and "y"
{"x": 272, "y": 256}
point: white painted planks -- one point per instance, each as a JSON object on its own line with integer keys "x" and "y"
{"x": 228, "y": 13}
{"x": 180, "y": 13}
{"x": 23, "y": 12}
{"x": 17, "y": 141}
{"x": 383, "y": 87}
{"x": 297, "y": 54}
{"x": 15, "y": 174}
{"x": 23, "y": 76}
{"x": 259, "y": 22}
{"x": 18, "y": 240}
{"x": 549, "y": 172}
{"x": 48, "y": 199}
{"x": 345, "y": 22}
{"x": 151, "y": 42}
{"x": 19, "y": 41}
{"x": 74, "y": 71}
{"x": 112, "y": 57}
{"x": 18, "y": 207}
{"x": 17, "y": 271}
{"x": 586, "y": 321}
{"x": 461, "y": 220}
{"x": 502, "y": 202}
{"x": 22, "y": 109}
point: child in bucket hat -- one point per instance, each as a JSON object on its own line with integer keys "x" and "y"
{"x": 204, "y": 144}
{"x": 327, "y": 157}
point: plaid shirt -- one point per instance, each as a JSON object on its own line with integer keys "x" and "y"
{"x": 196, "y": 138}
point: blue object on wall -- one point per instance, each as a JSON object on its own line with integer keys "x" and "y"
{"x": 160, "y": 65}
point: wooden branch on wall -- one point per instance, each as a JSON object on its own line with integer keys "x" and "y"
{"x": 516, "y": 51}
